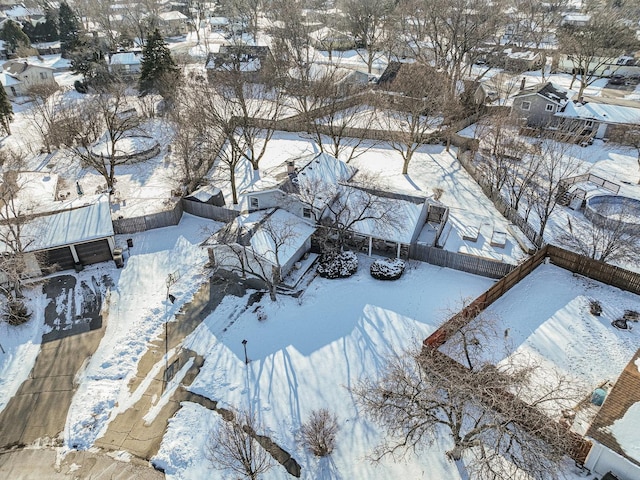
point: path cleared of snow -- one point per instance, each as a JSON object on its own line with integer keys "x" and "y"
{"x": 305, "y": 356}
{"x": 137, "y": 309}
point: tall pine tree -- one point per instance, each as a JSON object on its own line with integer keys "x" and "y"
{"x": 69, "y": 28}
{"x": 13, "y": 36}
{"x": 158, "y": 71}
{"x": 6, "y": 111}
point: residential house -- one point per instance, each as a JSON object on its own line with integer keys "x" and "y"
{"x": 614, "y": 431}
{"x": 249, "y": 60}
{"x": 173, "y": 24}
{"x": 125, "y": 64}
{"x": 266, "y": 243}
{"x": 11, "y": 85}
{"x": 317, "y": 187}
{"x": 537, "y": 106}
{"x": 29, "y": 74}
{"x": 602, "y": 115}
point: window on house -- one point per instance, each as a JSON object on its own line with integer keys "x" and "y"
{"x": 254, "y": 203}
{"x": 525, "y": 105}
{"x": 306, "y": 212}
{"x": 43, "y": 75}
{"x": 549, "y": 107}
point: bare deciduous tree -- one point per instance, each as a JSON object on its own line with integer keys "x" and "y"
{"x": 319, "y": 432}
{"x": 366, "y": 21}
{"x": 14, "y": 267}
{"x": 106, "y": 117}
{"x": 592, "y": 47}
{"x": 44, "y": 110}
{"x": 612, "y": 236}
{"x": 555, "y": 163}
{"x": 232, "y": 447}
{"x": 262, "y": 260}
{"x": 412, "y": 119}
{"x": 422, "y": 396}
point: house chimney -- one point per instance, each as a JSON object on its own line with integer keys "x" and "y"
{"x": 523, "y": 83}
{"x": 291, "y": 167}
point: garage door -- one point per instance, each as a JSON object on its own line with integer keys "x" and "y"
{"x": 61, "y": 258}
{"x": 93, "y": 252}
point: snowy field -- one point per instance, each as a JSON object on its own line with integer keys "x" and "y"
{"x": 305, "y": 356}
{"x": 546, "y": 319}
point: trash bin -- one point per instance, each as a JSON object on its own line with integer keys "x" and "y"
{"x": 118, "y": 258}
{"x": 130, "y": 242}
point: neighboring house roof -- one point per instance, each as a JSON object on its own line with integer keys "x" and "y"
{"x": 8, "y": 80}
{"x": 548, "y": 90}
{"x": 602, "y": 112}
{"x": 18, "y": 67}
{"x": 173, "y": 15}
{"x": 67, "y": 227}
{"x": 219, "y": 21}
{"x": 248, "y": 230}
{"x": 616, "y": 424}
{"x": 250, "y": 57}
{"x": 205, "y": 193}
{"x": 125, "y": 58}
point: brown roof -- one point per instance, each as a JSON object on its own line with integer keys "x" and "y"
{"x": 623, "y": 395}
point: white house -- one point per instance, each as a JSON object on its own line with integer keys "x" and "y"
{"x": 28, "y": 73}
{"x": 266, "y": 244}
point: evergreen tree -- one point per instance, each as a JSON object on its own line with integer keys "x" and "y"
{"x": 158, "y": 71}
{"x": 69, "y": 27}
{"x": 13, "y": 36}
{"x": 6, "y": 111}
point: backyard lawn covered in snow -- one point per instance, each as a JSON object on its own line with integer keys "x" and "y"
{"x": 305, "y": 356}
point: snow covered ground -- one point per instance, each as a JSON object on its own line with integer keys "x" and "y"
{"x": 19, "y": 346}
{"x": 546, "y": 318}
{"x": 305, "y": 356}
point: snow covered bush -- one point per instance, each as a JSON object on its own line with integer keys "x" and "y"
{"x": 595, "y": 307}
{"x": 337, "y": 265}
{"x": 387, "y": 269}
{"x": 319, "y": 432}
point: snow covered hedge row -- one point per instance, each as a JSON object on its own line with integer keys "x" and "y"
{"x": 340, "y": 265}
{"x": 387, "y": 269}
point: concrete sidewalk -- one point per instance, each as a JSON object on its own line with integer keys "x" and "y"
{"x": 40, "y": 464}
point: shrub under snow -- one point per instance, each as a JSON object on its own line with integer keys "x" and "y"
{"x": 387, "y": 269}
{"x": 340, "y": 265}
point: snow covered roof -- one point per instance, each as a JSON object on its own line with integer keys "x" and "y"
{"x": 616, "y": 424}
{"x": 602, "y": 112}
{"x": 398, "y": 229}
{"x": 125, "y": 58}
{"x": 284, "y": 227}
{"x": 8, "y": 80}
{"x": 66, "y": 227}
{"x": 172, "y": 16}
{"x": 548, "y": 90}
{"x": 205, "y": 193}
{"x": 19, "y": 66}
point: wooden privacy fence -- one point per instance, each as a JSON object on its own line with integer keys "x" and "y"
{"x": 211, "y": 212}
{"x": 148, "y": 222}
{"x": 459, "y": 261}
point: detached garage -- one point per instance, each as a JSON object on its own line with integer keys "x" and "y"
{"x": 70, "y": 238}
